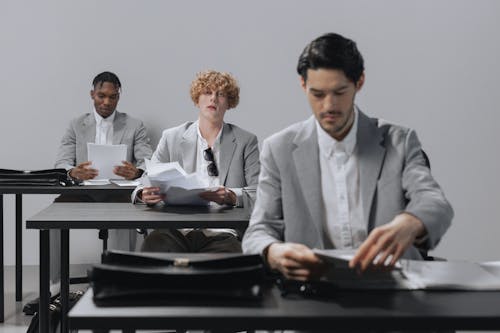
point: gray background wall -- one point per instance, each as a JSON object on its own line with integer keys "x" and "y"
{"x": 431, "y": 65}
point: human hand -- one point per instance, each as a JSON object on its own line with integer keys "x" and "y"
{"x": 222, "y": 196}
{"x": 127, "y": 170}
{"x": 83, "y": 171}
{"x": 295, "y": 261}
{"x": 387, "y": 243}
{"x": 151, "y": 195}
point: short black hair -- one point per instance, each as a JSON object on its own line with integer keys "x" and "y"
{"x": 332, "y": 51}
{"x": 107, "y": 77}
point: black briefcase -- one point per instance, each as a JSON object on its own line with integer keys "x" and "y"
{"x": 48, "y": 177}
{"x": 132, "y": 278}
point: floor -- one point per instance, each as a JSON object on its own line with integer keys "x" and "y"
{"x": 15, "y": 320}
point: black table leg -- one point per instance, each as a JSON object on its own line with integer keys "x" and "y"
{"x": 19, "y": 247}
{"x": 44, "y": 282}
{"x": 2, "y": 318}
{"x": 64, "y": 279}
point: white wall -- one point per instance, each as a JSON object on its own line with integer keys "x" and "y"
{"x": 431, "y": 65}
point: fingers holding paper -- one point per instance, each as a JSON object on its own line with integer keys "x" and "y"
{"x": 387, "y": 243}
{"x": 222, "y": 196}
{"x": 295, "y": 261}
{"x": 151, "y": 195}
{"x": 127, "y": 170}
{"x": 83, "y": 171}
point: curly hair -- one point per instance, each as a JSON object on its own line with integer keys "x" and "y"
{"x": 216, "y": 81}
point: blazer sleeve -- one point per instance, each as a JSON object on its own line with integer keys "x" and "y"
{"x": 161, "y": 154}
{"x": 425, "y": 199}
{"x": 252, "y": 162}
{"x": 251, "y": 167}
{"x": 66, "y": 155}
{"x": 142, "y": 148}
{"x": 266, "y": 224}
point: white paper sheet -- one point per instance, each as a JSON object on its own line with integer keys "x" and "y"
{"x": 461, "y": 275}
{"x": 491, "y": 266}
{"x": 95, "y": 182}
{"x": 125, "y": 182}
{"x": 180, "y": 188}
{"x": 105, "y": 157}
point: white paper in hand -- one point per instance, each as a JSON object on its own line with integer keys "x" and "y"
{"x": 105, "y": 157}
{"x": 180, "y": 188}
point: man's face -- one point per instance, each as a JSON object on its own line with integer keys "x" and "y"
{"x": 331, "y": 96}
{"x": 105, "y": 97}
{"x": 213, "y": 104}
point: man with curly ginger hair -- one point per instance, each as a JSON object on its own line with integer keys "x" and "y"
{"x": 223, "y": 154}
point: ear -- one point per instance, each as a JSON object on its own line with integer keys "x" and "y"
{"x": 303, "y": 83}
{"x": 92, "y": 93}
{"x": 360, "y": 82}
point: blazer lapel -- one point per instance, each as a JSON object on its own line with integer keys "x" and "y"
{"x": 306, "y": 159}
{"x": 227, "y": 148}
{"x": 188, "y": 149}
{"x": 88, "y": 129}
{"x": 371, "y": 155}
{"x": 118, "y": 127}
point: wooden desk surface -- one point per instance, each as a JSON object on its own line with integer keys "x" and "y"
{"x": 373, "y": 310}
{"x": 82, "y": 215}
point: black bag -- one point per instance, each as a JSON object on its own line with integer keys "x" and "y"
{"x": 49, "y": 177}
{"x": 54, "y": 313}
{"x": 131, "y": 278}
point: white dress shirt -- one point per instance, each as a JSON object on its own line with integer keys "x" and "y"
{"x": 340, "y": 188}
{"x": 104, "y": 129}
{"x": 202, "y": 170}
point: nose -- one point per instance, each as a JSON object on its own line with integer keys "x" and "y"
{"x": 213, "y": 95}
{"x": 330, "y": 102}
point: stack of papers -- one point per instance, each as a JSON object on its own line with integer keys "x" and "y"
{"x": 409, "y": 274}
{"x": 180, "y": 188}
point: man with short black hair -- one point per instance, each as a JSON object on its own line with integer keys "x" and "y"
{"x": 104, "y": 126}
{"x": 341, "y": 179}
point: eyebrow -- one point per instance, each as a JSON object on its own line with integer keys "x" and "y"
{"x": 314, "y": 90}
{"x": 104, "y": 94}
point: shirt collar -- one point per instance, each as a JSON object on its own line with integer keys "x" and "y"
{"x": 99, "y": 120}
{"x": 327, "y": 144}
{"x": 202, "y": 139}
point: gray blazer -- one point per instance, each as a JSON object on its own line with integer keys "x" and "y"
{"x": 239, "y": 164}
{"x": 126, "y": 130}
{"x": 393, "y": 179}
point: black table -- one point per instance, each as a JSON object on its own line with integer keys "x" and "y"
{"x": 66, "y": 216}
{"x": 345, "y": 310}
{"x": 19, "y": 191}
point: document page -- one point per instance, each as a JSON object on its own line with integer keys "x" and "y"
{"x": 446, "y": 275}
{"x": 492, "y": 266}
{"x": 105, "y": 157}
{"x": 96, "y": 182}
{"x": 180, "y": 188}
{"x": 125, "y": 182}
